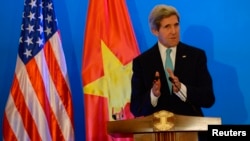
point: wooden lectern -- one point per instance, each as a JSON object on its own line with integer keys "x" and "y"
{"x": 162, "y": 126}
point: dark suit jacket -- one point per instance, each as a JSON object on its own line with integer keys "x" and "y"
{"x": 190, "y": 68}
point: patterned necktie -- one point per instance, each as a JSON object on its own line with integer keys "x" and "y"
{"x": 169, "y": 65}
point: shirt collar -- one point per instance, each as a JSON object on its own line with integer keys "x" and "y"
{"x": 163, "y": 49}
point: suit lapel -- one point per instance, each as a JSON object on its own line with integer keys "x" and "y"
{"x": 156, "y": 57}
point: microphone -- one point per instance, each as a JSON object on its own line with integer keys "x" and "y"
{"x": 156, "y": 78}
{"x": 170, "y": 79}
{"x": 194, "y": 108}
{"x": 179, "y": 89}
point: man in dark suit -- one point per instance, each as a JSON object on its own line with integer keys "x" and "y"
{"x": 191, "y": 84}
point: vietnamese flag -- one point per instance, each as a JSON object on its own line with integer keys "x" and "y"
{"x": 109, "y": 48}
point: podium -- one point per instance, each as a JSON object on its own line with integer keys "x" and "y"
{"x": 162, "y": 126}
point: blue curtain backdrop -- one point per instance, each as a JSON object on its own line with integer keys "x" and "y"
{"x": 221, "y": 28}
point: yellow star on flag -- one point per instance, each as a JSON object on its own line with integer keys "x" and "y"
{"x": 115, "y": 84}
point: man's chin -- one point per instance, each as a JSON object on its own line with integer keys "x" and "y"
{"x": 174, "y": 44}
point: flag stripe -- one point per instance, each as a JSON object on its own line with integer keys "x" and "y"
{"x": 57, "y": 75}
{"x": 33, "y": 106}
{"x": 29, "y": 123}
{"x": 39, "y": 89}
{"x": 8, "y": 133}
{"x": 60, "y": 92}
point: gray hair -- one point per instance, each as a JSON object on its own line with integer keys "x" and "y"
{"x": 158, "y": 13}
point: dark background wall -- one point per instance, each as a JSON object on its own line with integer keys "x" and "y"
{"x": 221, "y": 28}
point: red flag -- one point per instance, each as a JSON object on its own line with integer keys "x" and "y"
{"x": 109, "y": 47}
{"x": 39, "y": 106}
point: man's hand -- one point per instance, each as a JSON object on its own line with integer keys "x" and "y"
{"x": 175, "y": 81}
{"x": 157, "y": 85}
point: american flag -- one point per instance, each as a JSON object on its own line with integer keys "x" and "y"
{"x": 39, "y": 106}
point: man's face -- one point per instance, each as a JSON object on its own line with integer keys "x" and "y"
{"x": 169, "y": 32}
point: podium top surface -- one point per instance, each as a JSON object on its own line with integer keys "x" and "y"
{"x": 162, "y": 121}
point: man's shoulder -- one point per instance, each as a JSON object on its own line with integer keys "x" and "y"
{"x": 189, "y": 47}
{"x": 149, "y": 52}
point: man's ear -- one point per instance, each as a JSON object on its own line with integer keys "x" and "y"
{"x": 155, "y": 32}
